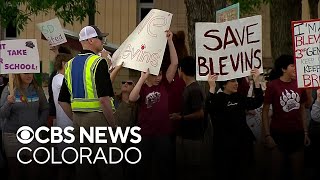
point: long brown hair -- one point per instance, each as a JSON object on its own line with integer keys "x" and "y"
{"x": 17, "y": 84}
{"x": 60, "y": 59}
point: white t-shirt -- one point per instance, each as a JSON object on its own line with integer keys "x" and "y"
{"x": 62, "y": 119}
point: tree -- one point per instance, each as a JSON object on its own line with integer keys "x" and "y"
{"x": 68, "y": 10}
{"x": 200, "y": 11}
{"x": 92, "y": 11}
{"x": 282, "y": 13}
{"x": 313, "y": 6}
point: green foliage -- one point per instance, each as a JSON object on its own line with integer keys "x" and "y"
{"x": 68, "y": 10}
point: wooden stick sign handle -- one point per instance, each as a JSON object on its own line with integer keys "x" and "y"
{"x": 11, "y": 84}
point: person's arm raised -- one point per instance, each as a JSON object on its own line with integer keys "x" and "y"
{"x": 134, "y": 95}
{"x": 172, "y": 69}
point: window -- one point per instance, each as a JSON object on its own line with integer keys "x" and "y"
{"x": 144, "y": 7}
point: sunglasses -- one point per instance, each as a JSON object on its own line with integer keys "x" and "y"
{"x": 103, "y": 39}
{"x": 128, "y": 82}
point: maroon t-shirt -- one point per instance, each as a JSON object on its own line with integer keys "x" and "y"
{"x": 285, "y": 98}
{"x": 175, "y": 91}
{"x": 153, "y": 110}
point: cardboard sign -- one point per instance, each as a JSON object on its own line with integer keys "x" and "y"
{"x": 19, "y": 56}
{"x": 231, "y": 49}
{"x": 145, "y": 46}
{"x": 53, "y": 32}
{"x": 229, "y": 13}
{"x": 306, "y": 39}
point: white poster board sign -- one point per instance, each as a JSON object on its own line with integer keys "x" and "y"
{"x": 53, "y": 32}
{"x": 145, "y": 46}
{"x": 19, "y": 56}
{"x": 306, "y": 39}
{"x": 230, "y": 49}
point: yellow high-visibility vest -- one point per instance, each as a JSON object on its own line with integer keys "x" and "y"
{"x": 82, "y": 89}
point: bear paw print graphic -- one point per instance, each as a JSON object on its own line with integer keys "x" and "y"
{"x": 289, "y": 101}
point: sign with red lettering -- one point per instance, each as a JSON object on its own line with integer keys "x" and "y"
{"x": 306, "y": 40}
{"x": 19, "y": 56}
{"x": 230, "y": 49}
{"x": 145, "y": 46}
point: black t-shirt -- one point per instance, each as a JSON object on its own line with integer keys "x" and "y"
{"x": 193, "y": 100}
{"x": 102, "y": 80}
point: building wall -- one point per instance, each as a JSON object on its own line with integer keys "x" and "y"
{"x": 119, "y": 19}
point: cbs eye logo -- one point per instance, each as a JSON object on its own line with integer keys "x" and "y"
{"x": 25, "y": 135}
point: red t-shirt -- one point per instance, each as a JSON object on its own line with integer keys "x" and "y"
{"x": 153, "y": 110}
{"x": 285, "y": 98}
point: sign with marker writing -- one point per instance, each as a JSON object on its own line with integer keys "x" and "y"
{"x": 229, "y": 13}
{"x": 231, "y": 49}
{"x": 19, "y": 56}
{"x": 306, "y": 40}
{"x": 53, "y": 32}
{"x": 145, "y": 46}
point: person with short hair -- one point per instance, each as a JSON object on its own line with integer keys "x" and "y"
{"x": 191, "y": 121}
{"x": 85, "y": 96}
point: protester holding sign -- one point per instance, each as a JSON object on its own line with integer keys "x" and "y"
{"x": 232, "y": 138}
{"x": 28, "y": 106}
{"x": 156, "y": 127}
{"x": 287, "y": 134}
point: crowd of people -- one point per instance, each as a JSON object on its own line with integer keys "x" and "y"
{"x": 187, "y": 133}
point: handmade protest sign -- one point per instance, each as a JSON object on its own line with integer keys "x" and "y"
{"x": 230, "y": 49}
{"x": 145, "y": 46}
{"x": 229, "y": 13}
{"x": 19, "y": 56}
{"x": 306, "y": 45}
{"x": 53, "y": 32}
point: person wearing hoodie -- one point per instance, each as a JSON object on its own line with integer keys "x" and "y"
{"x": 28, "y": 106}
{"x": 232, "y": 138}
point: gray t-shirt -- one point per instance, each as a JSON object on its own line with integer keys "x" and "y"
{"x": 29, "y": 110}
{"x": 193, "y": 100}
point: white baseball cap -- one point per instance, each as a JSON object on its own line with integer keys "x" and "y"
{"x": 91, "y": 32}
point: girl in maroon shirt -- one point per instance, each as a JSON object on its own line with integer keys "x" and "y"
{"x": 287, "y": 133}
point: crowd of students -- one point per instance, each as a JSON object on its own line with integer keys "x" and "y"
{"x": 176, "y": 115}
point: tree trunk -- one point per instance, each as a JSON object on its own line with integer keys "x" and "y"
{"x": 91, "y": 14}
{"x": 281, "y": 14}
{"x": 200, "y": 11}
{"x": 313, "y": 7}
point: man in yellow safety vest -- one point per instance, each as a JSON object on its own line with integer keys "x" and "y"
{"x": 86, "y": 97}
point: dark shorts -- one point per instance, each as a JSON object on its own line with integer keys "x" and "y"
{"x": 289, "y": 142}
